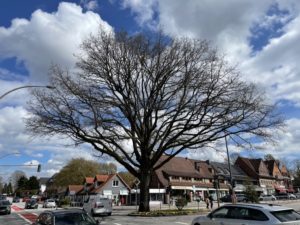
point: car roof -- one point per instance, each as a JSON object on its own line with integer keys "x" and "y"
{"x": 268, "y": 207}
{"x": 64, "y": 211}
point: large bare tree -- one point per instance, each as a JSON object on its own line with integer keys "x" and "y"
{"x": 136, "y": 98}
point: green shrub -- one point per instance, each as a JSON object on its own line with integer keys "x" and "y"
{"x": 65, "y": 201}
{"x": 180, "y": 203}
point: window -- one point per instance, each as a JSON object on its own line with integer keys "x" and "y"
{"x": 115, "y": 183}
{"x": 286, "y": 215}
{"x": 220, "y": 213}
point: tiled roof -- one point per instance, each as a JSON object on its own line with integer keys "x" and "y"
{"x": 179, "y": 166}
{"x": 89, "y": 180}
{"x": 102, "y": 177}
{"x": 236, "y": 171}
{"x": 75, "y": 188}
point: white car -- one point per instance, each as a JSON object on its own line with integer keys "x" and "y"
{"x": 49, "y": 203}
{"x": 250, "y": 214}
{"x": 267, "y": 198}
{"x": 98, "y": 205}
{"x": 292, "y": 196}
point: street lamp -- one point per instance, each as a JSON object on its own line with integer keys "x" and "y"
{"x": 26, "y": 86}
{"x": 230, "y": 172}
{"x": 13, "y": 153}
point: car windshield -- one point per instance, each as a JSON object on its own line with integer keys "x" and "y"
{"x": 74, "y": 218}
{"x": 286, "y": 215}
{"x": 50, "y": 200}
{"x": 4, "y": 203}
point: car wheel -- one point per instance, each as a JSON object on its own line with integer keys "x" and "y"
{"x": 109, "y": 214}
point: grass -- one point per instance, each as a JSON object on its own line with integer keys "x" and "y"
{"x": 168, "y": 212}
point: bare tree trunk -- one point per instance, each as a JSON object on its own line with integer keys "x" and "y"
{"x": 145, "y": 179}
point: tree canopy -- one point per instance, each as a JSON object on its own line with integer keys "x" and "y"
{"x": 136, "y": 98}
{"x": 77, "y": 169}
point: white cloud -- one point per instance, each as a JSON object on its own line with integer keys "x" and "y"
{"x": 89, "y": 4}
{"x": 49, "y": 38}
{"x": 144, "y": 10}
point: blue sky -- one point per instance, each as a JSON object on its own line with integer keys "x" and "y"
{"x": 260, "y": 37}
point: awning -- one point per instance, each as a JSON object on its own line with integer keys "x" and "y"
{"x": 280, "y": 189}
{"x": 239, "y": 188}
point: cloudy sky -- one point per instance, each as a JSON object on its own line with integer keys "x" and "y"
{"x": 260, "y": 37}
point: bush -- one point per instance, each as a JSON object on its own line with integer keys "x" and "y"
{"x": 251, "y": 194}
{"x": 180, "y": 203}
{"x": 65, "y": 201}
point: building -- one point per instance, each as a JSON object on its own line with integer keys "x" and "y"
{"x": 239, "y": 178}
{"x": 110, "y": 185}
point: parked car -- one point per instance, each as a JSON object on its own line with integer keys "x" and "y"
{"x": 98, "y": 205}
{"x": 16, "y": 199}
{"x": 65, "y": 217}
{"x": 286, "y": 196}
{"x": 251, "y": 214}
{"x": 267, "y": 198}
{"x": 31, "y": 204}
{"x": 49, "y": 203}
{"x": 226, "y": 198}
{"x": 297, "y": 195}
{"x": 25, "y": 199}
{"x": 241, "y": 198}
{"x": 5, "y": 207}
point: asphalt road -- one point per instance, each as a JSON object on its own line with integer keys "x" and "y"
{"x": 20, "y": 216}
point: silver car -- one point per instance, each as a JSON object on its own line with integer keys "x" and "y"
{"x": 250, "y": 214}
{"x": 49, "y": 203}
{"x": 267, "y": 198}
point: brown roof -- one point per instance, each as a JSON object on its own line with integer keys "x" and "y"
{"x": 89, "y": 180}
{"x": 179, "y": 166}
{"x": 102, "y": 177}
{"x": 75, "y": 188}
{"x": 257, "y": 166}
{"x": 284, "y": 171}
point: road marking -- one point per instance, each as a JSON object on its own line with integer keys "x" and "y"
{"x": 16, "y": 208}
{"x": 117, "y": 224}
{"x": 29, "y": 217}
{"x": 182, "y": 223}
{"x": 28, "y": 221}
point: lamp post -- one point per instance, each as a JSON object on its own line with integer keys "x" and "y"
{"x": 26, "y": 86}
{"x": 13, "y": 153}
{"x": 230, "y": 172}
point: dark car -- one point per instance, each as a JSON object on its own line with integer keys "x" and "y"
{"x": 5, "y": 207}
{"x": 226, "y": 198}
{"x": 65, "y": 217}
{"x": 16, "y": 199}
{"x": 31, "y": 204}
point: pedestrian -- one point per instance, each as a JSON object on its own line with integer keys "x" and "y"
{"x": 211, "y": 201}
{"x": 207, "y": 202}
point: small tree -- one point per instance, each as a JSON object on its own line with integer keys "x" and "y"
{"x": 181, "y": 203}
{"x": 251, "y": 194}
{"x": 77, "y": 169}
